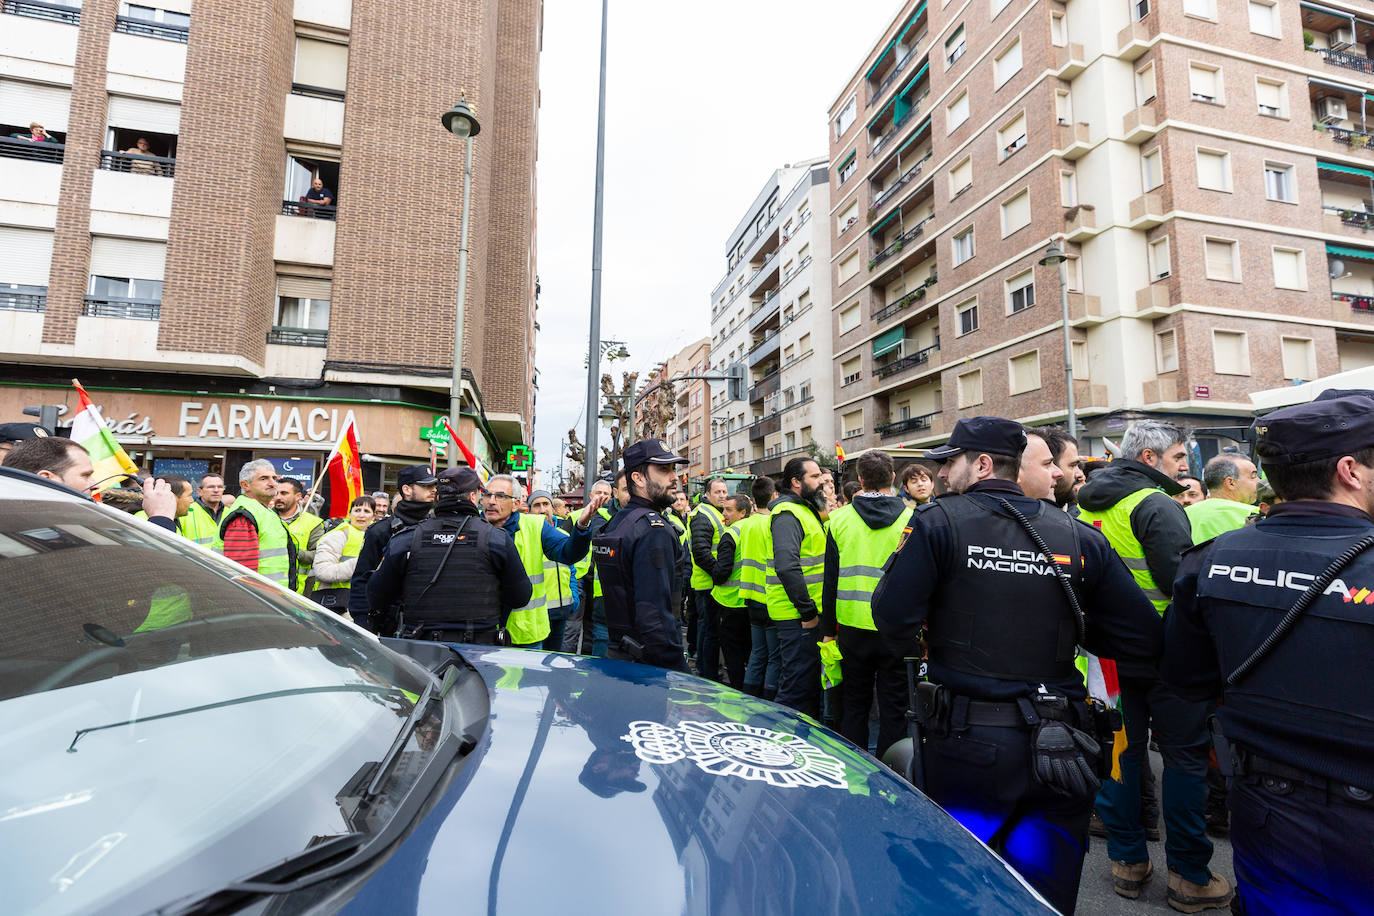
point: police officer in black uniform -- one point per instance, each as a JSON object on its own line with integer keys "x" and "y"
{"x": 638, "y": 556}
{"x": 1012, "y": 749}
{"x": 1278, "y": 619}
{"x": 455, "y": 575}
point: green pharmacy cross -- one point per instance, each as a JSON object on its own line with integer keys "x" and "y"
{"x": 520, "y": 458}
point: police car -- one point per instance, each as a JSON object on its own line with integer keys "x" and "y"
{"x": 181, "y": 736}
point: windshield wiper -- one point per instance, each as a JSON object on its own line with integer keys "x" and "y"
{"x": 416, "y": 714}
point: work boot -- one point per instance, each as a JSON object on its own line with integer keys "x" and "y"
{"x": 1128, "y": 879}
{"x": 1187, "y": 897}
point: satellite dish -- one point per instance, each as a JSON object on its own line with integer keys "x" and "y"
{"x": 1335, "y": 268}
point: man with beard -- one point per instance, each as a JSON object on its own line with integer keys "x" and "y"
{"x": 795, "y": 580}
{"x": 1064, "y": 451}
{"x": 418, "y": 487}
{"x": 637, "y": 555}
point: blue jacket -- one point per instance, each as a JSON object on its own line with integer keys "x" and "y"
{"x": 559, "y": 546}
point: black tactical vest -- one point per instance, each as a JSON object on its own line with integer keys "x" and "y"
{"x": 615, "y": 569}
{"x": 467, "y": 587}
{"x": 1000, "y": 611}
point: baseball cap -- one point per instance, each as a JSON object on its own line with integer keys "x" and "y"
{"x": 1311, "y": 432}
{"x": 993, "y": 435}
{"x": 650, "y": 451}
{"x": 461, "y": 480}
{"x": 18, "y": 432}
{"x": 416, "y": 474}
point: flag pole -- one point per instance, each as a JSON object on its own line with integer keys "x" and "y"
{"x": 324, "y": 468}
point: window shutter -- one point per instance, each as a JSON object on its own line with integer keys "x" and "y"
{"x": 962, "y": 176}
{"x": 1269, "y": 94}
{"x": 304, "y": 287}
{"x": 1219, "y": 262}
{"x": 321, "y": 63}
{"x": 1017, "y": 212}
{"x": 137, "y": 260}
{"x": 24, "y": 103}
{"x": 1288, "y": 269}
{"x": 144, "y": 114}
{"x": 1202, "y": 82}
{"x": 1211, "y": 170}
{"x": 28, "y": 254}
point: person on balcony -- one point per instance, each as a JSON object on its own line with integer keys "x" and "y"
{"x": 142, "y": 166}
{"x": 36, "y": 134}
{"x": 317, "y": 196}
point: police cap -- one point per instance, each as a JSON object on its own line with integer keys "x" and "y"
{"x": 460, "y": 480}
{"x": 1312, "y": 432}
{"x": 18, "y": 432}
{"x": 650, "y": 451}
{"x": 990, "y": 435}
{"x": 413, "y": 474}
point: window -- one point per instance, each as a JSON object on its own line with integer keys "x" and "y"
{"x": 1021, "y": 292}
{"x": 853, "y": 423}
{"x": 1213, "y": 170}
{"x": 1059, "y": 29}
{"x": 848, "y": 217}
{"x": 1012, "y": 137}
{"x": 1278, "y": 182}
{"x": 1016, "y": 213}
{"x": 1204, "y": 82}
{"x": 1139, "y": 9}
{"x": 963, "y": 246}
{"x": 850, "y": 371}
{"x": 1082, "y": 371}
{"x": 1264, "y": 18}
{"x": 1068, "y": 188}
{"x": 845, "y": 117}
{"x": 998, "y": 6}
{"x": 1145, "y": 84}
{"x": 1166, "y": 351}
{"x": 123, "y": 269}
{"x": 1024, "y": 372}
{"x": 1290, "y": 268}
{"x": 1073, "y": 273}
{"x": 847, "y": 167}
{"x": 321, "y": 65}
{"x": 1159, "y": 259}
{"x": 803, "y": 345}
{"x": 849, "y": 319}
{"x": 1271, "y": 97}
{"x": 967, "y": 317}
{"x": 303, "y": 304}
{"x": 970, "y": 386}
{"x": 1007, "y": 64}
{"x": 1230, "y": 352}
{"x": 1151, "y": 169}
{"x": 954, "y": 47}
{"x": 301, "y": 171}
{"x": 1299, "y": 358}
{"x": 849, "y": 267}
{"x": 1222, "y": 260}
{"x": 1063, "y": 106}
{"x": 961, "y": 177}
{"x": 956, "y": 112}
{"x": 1206, "y": 9}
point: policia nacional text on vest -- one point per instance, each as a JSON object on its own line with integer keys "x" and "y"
{"x": 449, "y": 550}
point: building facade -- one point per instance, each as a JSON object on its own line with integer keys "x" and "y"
{"x": 689, "y": 433}
{"x": 770, "y": 321}
{"x": 1204, "y": 164}
{"x": 167, "y": 247}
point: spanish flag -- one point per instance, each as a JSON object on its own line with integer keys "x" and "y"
{"x": 839, "y": 452}
{"x": 345, "y": 470}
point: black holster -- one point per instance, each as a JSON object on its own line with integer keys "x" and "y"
{"x": 933, "y": 709}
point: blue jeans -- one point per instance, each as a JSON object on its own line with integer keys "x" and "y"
{"x": 1180, "y": 727}
{"x": 762, "y": 670}
{"x": 799, "y": 670}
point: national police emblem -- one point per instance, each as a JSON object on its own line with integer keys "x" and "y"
{"x": 736, "y": 749}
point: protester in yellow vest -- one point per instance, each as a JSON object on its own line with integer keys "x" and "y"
{"x": 181, "y": 488}
{"x": 1232, "y": 487}
{"x": 306, "y": 529}
{"x": 203, "y": 516}
{"x": 336, "y": 556}
{"x": 755, "y": 548}
{"x": 558, "y": 578}
{"x": 535, "y": 541}
{"x": 793, "y": 587}
{"x": 706, "y": 526}
{"x": 251, "y": 534}
{"x": 733, "y": 622}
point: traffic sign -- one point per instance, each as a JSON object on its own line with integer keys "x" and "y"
{"x": 520, "y": 458}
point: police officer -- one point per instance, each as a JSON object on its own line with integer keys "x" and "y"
{"x": 637, "y": 554}
{"x": 455, "y": 575}
{"x": 1298, "y": 707}
{"x": 418, "y": 487}
{"x": 1012, "y": 749}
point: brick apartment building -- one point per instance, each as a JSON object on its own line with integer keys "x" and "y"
{"x": 212, "y": 309}
{"x": 690, "y": 433}
{"x": 1205, "y": 164}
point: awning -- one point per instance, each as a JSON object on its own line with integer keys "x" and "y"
{"x": 1342, "y": 251}
{"x": 888, "y": 341}
{"x": 881, "y": 57}
{"x": 845, "y": 161}
{"x": 1347, "y": 169}
{"x": 912, "y": 21}
{"x": 1343, "y": 87}
{"x": 890, "y": 217}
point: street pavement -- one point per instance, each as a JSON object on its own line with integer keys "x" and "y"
{"x": 1095, "y": 894}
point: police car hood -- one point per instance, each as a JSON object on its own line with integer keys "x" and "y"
{"x": 610, "y": 787}
{"x": 878, "y": 512}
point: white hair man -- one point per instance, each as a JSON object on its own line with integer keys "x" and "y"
{"x": 253, "y": 533}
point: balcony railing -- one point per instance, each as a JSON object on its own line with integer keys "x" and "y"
{"x": 765, "y": 386}
{"x": 1355, "y": 139}
{"x": 14, "y": 148}
{"x": 911, "y": 424}
{"x": 304, "y": 208}
{"x": 913, "y": 233}
{"x": 1359, "y": 219}
{"x": 897, "y": 125}
{"x": 916, "y": 295}
{"x": 36, "y": 9}
{"x": 138, "y": 164}
{"x": 114, "y": 307}
{"x": 132, "y": 26}
{"x": 896, "y": 71}
{"x": 907, "y": 177}
{"x": 906, "y": 362}
{"x": 765, "y": 426}
{"x": 1357, "y": 303}
{"x": 19, "y": 297}
{"x": 1345, "y": 59}
{"x": 317, "y": 92}
{"x": 298, "y": 337}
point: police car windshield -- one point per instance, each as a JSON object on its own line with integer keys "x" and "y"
{"x": 169, "y": 723}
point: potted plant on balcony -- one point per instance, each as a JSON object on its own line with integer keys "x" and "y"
{"x": 1307, "y": 39}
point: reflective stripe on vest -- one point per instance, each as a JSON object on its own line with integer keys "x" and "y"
{"x": 596, "y": 580}
{"x": 1115, "y": 523}
{"x": 863, "y": 552}
{"x": 530, "y": 624}
{"x": 701, "y": 578}
{"x": 559, "y": 582}
{"x": 753, "y": 547}
{"x": 780, "y": 607}
{"x": 728, "y": 594}
{"x": 274, "y": 554}
{"x": 352, "y": 545}
{"x": 300, "y": 528}
{"x": 197, "y": 525}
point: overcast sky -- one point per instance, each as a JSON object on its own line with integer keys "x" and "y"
{"x": 703, "y": 101}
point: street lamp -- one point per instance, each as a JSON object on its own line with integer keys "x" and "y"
{"x": 594, "y": 344}
{"x": 1055, "y": 257}
{"x": 461, "y": 122}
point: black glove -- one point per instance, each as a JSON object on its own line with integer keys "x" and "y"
{"x": 1063, "y": 759}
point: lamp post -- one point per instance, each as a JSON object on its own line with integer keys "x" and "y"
{"x": 461, "y": 122}
{"x": 1055, "y": 257}
{"x": 594, "y": 345}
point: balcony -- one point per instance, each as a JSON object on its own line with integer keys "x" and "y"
{"x": 916, "y": 295}
{"x": 765, "y": 426}
{"x": 1345, "y": 59}
{"x": 131, "y": 26}
{"x": 12, "y": 148}
{"x": 899, "y": 243}
{"x": 138, "y": 164}
{"x": 906, "y": 362}
{"x": 1141, "y": 124}
{"x": 1085, "y": 309}
{"x": 887, "y": 193}
{"x": 765, "y": 387}
{"x": 1153, "y": 299}
{"x": 1069, "y": 61}
{"x": 770, "y": 466}
{"x": 1361, "y": 304}
{"x": 897, "y": 126}
{"x": 764, "y": 349}
{"x": 1354, "y": 139}
{"x": 21, "y": 297}
{"x": 1134, "y": 40}
{"x": 35, "y": 9}
{"x": 896, "y": 71}
{"x": 1080, "y": 223}
{"x": 765, "y": 311}
{"x": 1147, "y": 210}
{"x": 1072, "y": 140}
{"x": 909, "y": 425}
{"x": 112, "y": 307}
{"x": 298, "y": 337}
{"x": 304, "y": 208}
{"x": 1348, "y": 218}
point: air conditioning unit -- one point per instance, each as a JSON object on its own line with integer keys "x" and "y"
{"x": 1331, "y": 109}
{"x": 1341, "y": 39}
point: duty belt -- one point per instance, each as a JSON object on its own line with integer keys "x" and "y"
{"x": 1020, "y": 713}
{"x": 1275, "y": 773}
